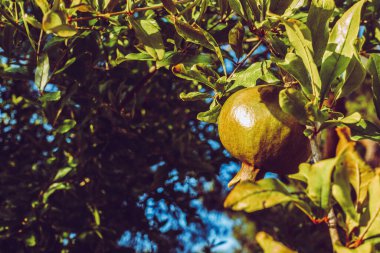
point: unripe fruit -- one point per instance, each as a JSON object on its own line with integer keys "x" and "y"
{"x": 254, "y": 129}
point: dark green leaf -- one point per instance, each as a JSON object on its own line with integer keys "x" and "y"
{"x": 353, "y": 78}
{"x": 170, "y": 6}
{"x": 237, "y": 7}
{"x": 294, "y": 65}
{"x": 41, "y": 76}
{"x": 365, "y": 130}
{"x": 195, "y": 34}
{"x": 374, "y": 69}
{"x": 292, "y": 101}
{"x": 318, "y": 23}
{"x": 193, "y": 75}
{"x": 235, "y": 39}
{"x": 340, "y": 47}
{"x": 67, "y": 64}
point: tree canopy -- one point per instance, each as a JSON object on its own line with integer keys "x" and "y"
{"x": 108, "y": 141}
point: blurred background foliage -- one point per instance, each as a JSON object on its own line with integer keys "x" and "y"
{"x": 106, "y": 157}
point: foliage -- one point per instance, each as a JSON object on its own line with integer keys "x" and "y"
{"x": 91, "y": 121}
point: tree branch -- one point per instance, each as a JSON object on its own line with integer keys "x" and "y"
{"x": 246, "y": 58}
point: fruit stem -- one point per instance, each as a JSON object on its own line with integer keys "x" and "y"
{"x": 247, "y": 172}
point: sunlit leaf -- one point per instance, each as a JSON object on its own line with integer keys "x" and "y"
{"x": 32, "y": 21}
{"x": 67, "y": 64}
{"x": 43, "y": 4}
{"x": 300, "y": 38}
{"x": 348, "y": 120}
{"x": 319, "y": 182}
{"x": 269, "y": 245}
{"x": 250, "y": 76}
{"x": 41, "y": 76}
{"x": 194, "y": 96}
{"x": 62, "y": 172}
{"x": 170, "y": 6}
{"x": 64, "y": 30}
{"x": 318, "y": 23}
{"x": 210, "y": 116}
{"x": 59, "y": 186}
{"x": 148, "y": 32}
{"x": 50, "y": 96}
{"x": 340, "y": 47}
{"x": 66, "y": 126}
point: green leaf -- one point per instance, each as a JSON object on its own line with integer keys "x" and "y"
{"x": 210, "y": 116}
{"x": 318, "y": 23}
{"x": 237, "y": 7}
{"x": 235, "y": 39}
{"x": 170, "y": 6}
{"x": 373, "y": 226}
{"x": 59, "y": 186}
{"x": 66, "y": 126}
{"x": 192, "y": 75}
{"x": 31, "y": 241}
{"x": 148, "y": 32}
{"x": 340, "y": 47}
{"x": 43, "y": 4}
{"x": 300, "y": 38}
{"x": 269, "y": 245}
{"x": 294, "y": 65}
{"x": 365, "y": 130}
{"x": 194, "y": 96}
{"x": 67, "y": 64}
{"x": 293, "y": 101}
{"x": 319, "y": 182}
{"x": 353, "y": 78}
{"x": 195, "y": 34}
{"x": 250, "y": 76}
{"x": 250, "y": 197}
{"x": 341, "y": 191}
{"x": 348, "y": 120}
{"x": 293, "y": 7}
{"x": 50, "y": 96}
{"x": 285, "y": 7}
{"x": 62, "y": 172}
{"x": 41, "y": 76}
{"x": 64, "y": 31}
{"x": 364, "y": 248}
{"x": 32, "y": 21}
{"x": 53, "y": 19}
{"x": 374, "y": 69}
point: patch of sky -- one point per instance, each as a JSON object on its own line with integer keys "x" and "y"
{"x": 154, "y": 167}
{"x": 50, "y": 87}
{"x": 140, "y": 242}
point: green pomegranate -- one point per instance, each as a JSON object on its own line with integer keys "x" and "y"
{"x": 254, "y": 129}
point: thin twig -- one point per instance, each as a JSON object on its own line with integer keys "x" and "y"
{"x": 245, "y": 58}
{"x": 7, "y": 17}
